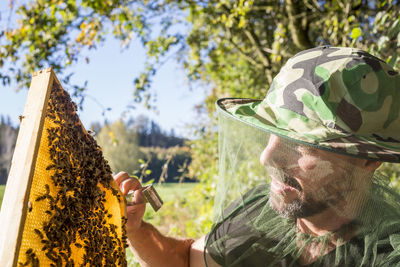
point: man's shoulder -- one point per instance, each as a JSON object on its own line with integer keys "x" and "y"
{"x": 240, "y": 228}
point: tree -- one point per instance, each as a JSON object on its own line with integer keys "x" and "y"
{"x": 120, "y": 147}
{"x": 237, "y": 46}
{"x": 151, "y": 135}
{"x": 153, "y": 159}
{"x": 8, "y": 137}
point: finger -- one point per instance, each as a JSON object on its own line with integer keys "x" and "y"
{"x": 138, "y": 197}
{"x": 135, "y": 214}
{"x": 130, "y": 184}
{"x": 137, "y": 208}
{"x": 121, "y": 176}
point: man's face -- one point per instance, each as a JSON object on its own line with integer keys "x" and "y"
{"x": 307, "y": 181}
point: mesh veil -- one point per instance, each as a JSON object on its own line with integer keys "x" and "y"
{"x": 283, "y": 203}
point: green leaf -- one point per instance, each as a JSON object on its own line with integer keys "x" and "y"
{"x": 382, "y": 42}
{"x": 392, "y": 60}
{"x": 394, "y": 29}
{"x": 384, "y": 18}
{"x": 149, "y": 182}
{"x": 378, "y": 17}
{"x": 355, "y": 33}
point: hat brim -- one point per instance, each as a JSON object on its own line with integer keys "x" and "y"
{"x": 245, "y": 110}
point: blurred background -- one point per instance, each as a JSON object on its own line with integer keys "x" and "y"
{"x": 145, "y": 75}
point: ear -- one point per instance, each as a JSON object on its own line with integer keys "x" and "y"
{"x": 372, "y": 165}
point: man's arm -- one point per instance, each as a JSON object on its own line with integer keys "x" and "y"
{"x": 154, "y": 249}
{"x": 197, "y": 255}
{"x": 149, "y": 246}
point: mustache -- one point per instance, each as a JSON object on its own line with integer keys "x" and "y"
{"x": 282, "y": 176}
{"x": 290, "y": 181}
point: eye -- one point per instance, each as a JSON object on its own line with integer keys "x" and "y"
{"x": 307, "y": 150}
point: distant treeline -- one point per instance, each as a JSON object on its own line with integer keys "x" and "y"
{"x": 166, "y": 164}
{"x": 148, "y": 133}
{"x": 138, "y": 146}
{"x": 8, "y": 137}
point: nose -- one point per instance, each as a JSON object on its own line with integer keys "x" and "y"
{"x": 275, "y": 153}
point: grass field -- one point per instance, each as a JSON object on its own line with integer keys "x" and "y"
{"x": 2, "y": 187}
{"x": 172, "y": 190}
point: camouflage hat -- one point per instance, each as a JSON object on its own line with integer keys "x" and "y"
{"x": 339, "y": 99}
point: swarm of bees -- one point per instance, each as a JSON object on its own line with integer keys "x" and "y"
{"x": 77, "y": 220}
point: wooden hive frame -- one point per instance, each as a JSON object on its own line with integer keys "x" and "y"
{"x": 100, "y": 237}
{"x": 15, "y": 201}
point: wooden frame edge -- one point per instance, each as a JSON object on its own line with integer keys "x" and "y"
{"x": 15, "y": 201}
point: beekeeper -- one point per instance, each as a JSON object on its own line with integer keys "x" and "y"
{"x": 329, "y": 121}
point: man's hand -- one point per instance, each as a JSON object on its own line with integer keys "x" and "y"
{"x": 136, "y": 209}
{"x": 150, "y": 247}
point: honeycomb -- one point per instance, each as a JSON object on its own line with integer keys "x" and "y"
{"x": 76, "y": 214}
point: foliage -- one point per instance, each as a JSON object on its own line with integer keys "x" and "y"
{"x": 167, "y": 164}
{"x": 8, "y": 137}
{"x": 120, "y": 147}
{"x": 391, "y": 170}
{"x": 144, "y": 151}
{"x": 151, "y": 134}
{"x": 2, "y": 189}
{"x": 238, "y": 46}
{"x": 55, "y": 33}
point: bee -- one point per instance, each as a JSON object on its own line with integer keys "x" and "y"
{"x": 41, "y": 198}
{"x": 20, "y": 118}
{"x": 47, "y": 187}
{"x": 52, "y": 256}
{"x": 30, "y": 206}
{"x": 38, "y": 233}
{"x": 35, "y": 262}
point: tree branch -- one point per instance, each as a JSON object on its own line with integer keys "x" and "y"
{"x": 247, "y": 57}
{"x": 259, "y": 50}
{"x": 299, "y": 34}
{"x": 255, "y": 42}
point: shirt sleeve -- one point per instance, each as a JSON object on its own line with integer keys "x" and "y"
{"x": 229, "y": 238}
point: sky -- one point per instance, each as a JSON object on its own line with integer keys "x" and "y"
{"x": 110, "y": 74}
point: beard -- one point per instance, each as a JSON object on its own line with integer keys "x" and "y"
{"x": 301, "y": 207}
{"x": 297, "y": 208}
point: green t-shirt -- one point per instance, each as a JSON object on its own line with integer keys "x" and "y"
{"x": 252, "y": 234}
